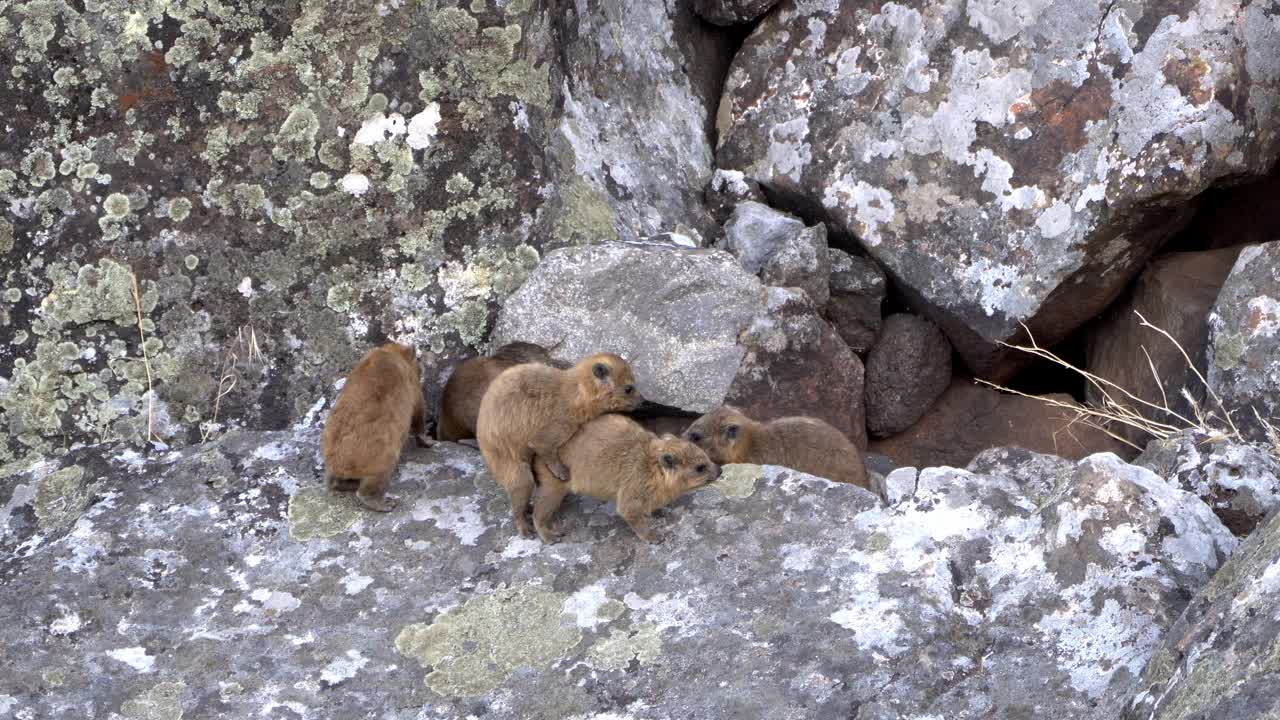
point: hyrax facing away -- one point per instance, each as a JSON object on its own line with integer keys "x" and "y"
{"x": 366, "y": 429}
{"x": 460, "y": 401}
{"x": 802, "y": 443}
{"x": 614, "y": 458}
{"x": 534, "y": 409}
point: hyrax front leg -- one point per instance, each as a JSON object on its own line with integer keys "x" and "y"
{"x": 551, "y": 493}
{"x": 339, "y": 484}
{"x": 373, "y": 493}
{"x": 636, "y": 514}
{"x": 518, "y": 482}
{"x": 546, "y": 445}
{"x": 418, "y": 426}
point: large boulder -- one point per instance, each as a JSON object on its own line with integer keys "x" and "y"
{"x": 1219, "y": 659}
{"x": 1240, "y": 481}
{"x": 1175, "y": 294}
{"x": 287, "y": 183}
{"x": 1244, "y": 344}
{"x": 224, "y": 580}
{"x": 698, "y": 329}
{"x": 909, "y": 367}
{"x": 858, "y": 288}
{"x": 969, "y": 418}
{"x": 1007, "y": 163}
{"x": 732, "y": 12}
{"x": 780, "y": 249}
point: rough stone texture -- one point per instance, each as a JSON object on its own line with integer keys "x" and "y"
{"x": 1007, "y": 162}
{"x": 857, "y": 290}
{"x": 726, "y": 190}
{"x": 1244, "y": 343}
{"x": 732, "y": 12}
{"x": 969, "y": 418}
{"x": 909, "y": 367}
{"x": 287, "y": 183}
{"x": 803, "y": 263}
{"x": 1241, "y": 482}
{"x": 796, "y": 364}
{"x": 1175, "y": 293}
{"x": 223, "y": 581}
{"x": 780, "y": 249}
{"x": 1219, "y": 659}
{"x": 1039, "y": 475}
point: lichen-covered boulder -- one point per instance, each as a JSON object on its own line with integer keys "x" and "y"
{"x": 909, "y": 367}
{"x": 780, "y": 249}
{"x": 968, "y": 418}
{"x": 1007, "y": 162}
{"x": 857, "y": 289}
{"x": 1244, "y": 343}
{"x": 732, "y": 12}
{"x": 1240, "y": 481}
{"x": 1175, "y": 293}
{"x": 224, "y": 580}
{"x": 208, "y": 211}
{"x": 1219, "y": 659}
{"x": 698, "y": 329}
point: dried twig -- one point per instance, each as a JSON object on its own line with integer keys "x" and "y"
{"x": 146, "y": 361}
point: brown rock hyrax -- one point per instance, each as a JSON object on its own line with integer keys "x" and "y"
{"x": 614, "y": 458}
{"x": 801, "y": 443}
{"x": 534, "y": 409}
{"x": 460, "y": 401}
{"x": 378, "y": 407}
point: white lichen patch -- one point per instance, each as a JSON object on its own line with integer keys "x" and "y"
{"x": 874, "y": 623}
{"x": 355, "y": 184}
{"x": 458, "y": 515}
{"x": 423, "y": 127}
{"x": 355, "y": 583}
{"x": 270, "y": 602}
{"x": 1093, "y": 645}
{"x": 135, "y": 657}
{"x": 591, "y": 606}
{"x": 343, "y": 668}
{"x": 1264, "y": 316}
{"x": 380, "y": 128}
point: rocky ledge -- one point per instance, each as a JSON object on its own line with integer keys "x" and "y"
{"x": 222, "y": 580}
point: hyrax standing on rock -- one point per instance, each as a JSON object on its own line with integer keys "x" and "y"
{"x": 460, "y": 401}
{"x": 378, "y": 407}
{"x": 534, "y": 409}
{"x": 802, "y": 443}
{"x": 614, "y": 458}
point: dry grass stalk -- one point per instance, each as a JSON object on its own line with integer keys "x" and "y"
{"x": 146, "y": 362}
{"x": 246, "y": 341}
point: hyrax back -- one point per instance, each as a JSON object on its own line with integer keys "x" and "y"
{"x": 378, "y": 407}
{"x": 806, "y": 444}
{"x": 614, "y": 458}
{"x": 534, "y": 409}
{"x": 460, "y": 401}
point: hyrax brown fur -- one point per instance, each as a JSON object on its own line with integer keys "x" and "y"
{"x": 614, "y": 458}
{"x": 802, "y": 443}
{"x": 460, "y": 401}
{"x": 534, "y": 409}
{"x": 378, "y": 407}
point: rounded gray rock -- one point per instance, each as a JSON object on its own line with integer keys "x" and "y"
{"x": 907, "y": 370}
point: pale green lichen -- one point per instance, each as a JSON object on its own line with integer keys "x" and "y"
{"x": 738, "y": 480}
{"x": 116, "y": 205}
{"x": 1228, "y": 348}
{"x": 178, "y": 209}
{"x": 340, "y": 298}
{"x": 102, "y": 292}
{"x": 475, "y": 648}
{"x": 319, "y": 180}
{"x": 191, "y": 262}
{"x": 315, "y": 512}
{"x": 60, "y": 498}
{"x": 621, "y": 647}
{"x": 161, "y": 702}
{"x": 6, "y": 236}
{"x": 458, "y": 184}
{"x": 585, "y": 215}
{"x": 297, "y": 136}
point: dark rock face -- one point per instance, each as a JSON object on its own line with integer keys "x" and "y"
{"x": 1241, "y": 482}
{"x": 909, "y": 367}
{"x": 223, "y": 580}
{"x": 1006, "y": 162}
{"x": 1244, "y": 343}
{"x": 1218, "y": 659}
{"x": 1175, "y": 293}
{"x": 857, "y": 288}
{"x": 796, "y": 364}
{"x": 286, "y": 183}
{"x": 968, "y": 419}
{"x": 732, "y": 12}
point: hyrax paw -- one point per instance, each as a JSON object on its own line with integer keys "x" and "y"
{"x": 383, "y": 504}
{"x": 423, "y": 440}
{"x": 559, "y": 470}
{"x": 549, "y": 536}
{"x": 525, "y": 528}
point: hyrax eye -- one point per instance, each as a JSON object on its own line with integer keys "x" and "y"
{"x": 630, "y": 389}
{"x": 695, "y": 437}
{"x": 701, "y": 467}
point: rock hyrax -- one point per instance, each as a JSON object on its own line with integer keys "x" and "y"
{"x": 460, "y": 401}
{"x": 534, "y": 409}
{"x": 614, "y": 458}
{"x": 378, "y": 407}
{"x": 802, "y": 443}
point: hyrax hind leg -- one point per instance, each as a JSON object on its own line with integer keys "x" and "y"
{"x": 373, "y": 492}
{"x": 340, "y": 484}
{"x": 551, "y": 493}
{"x": 517, "y": 479}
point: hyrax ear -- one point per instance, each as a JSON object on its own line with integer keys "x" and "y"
{"x": 731, "y": 432}
{"x": 600, "y": 370}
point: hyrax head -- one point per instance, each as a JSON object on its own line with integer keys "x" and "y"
{"x": 684, "y": 466}
{"x": 721, "y": 433}
{"x": 404, "y": 351}
{"x": 608, "y": 382}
